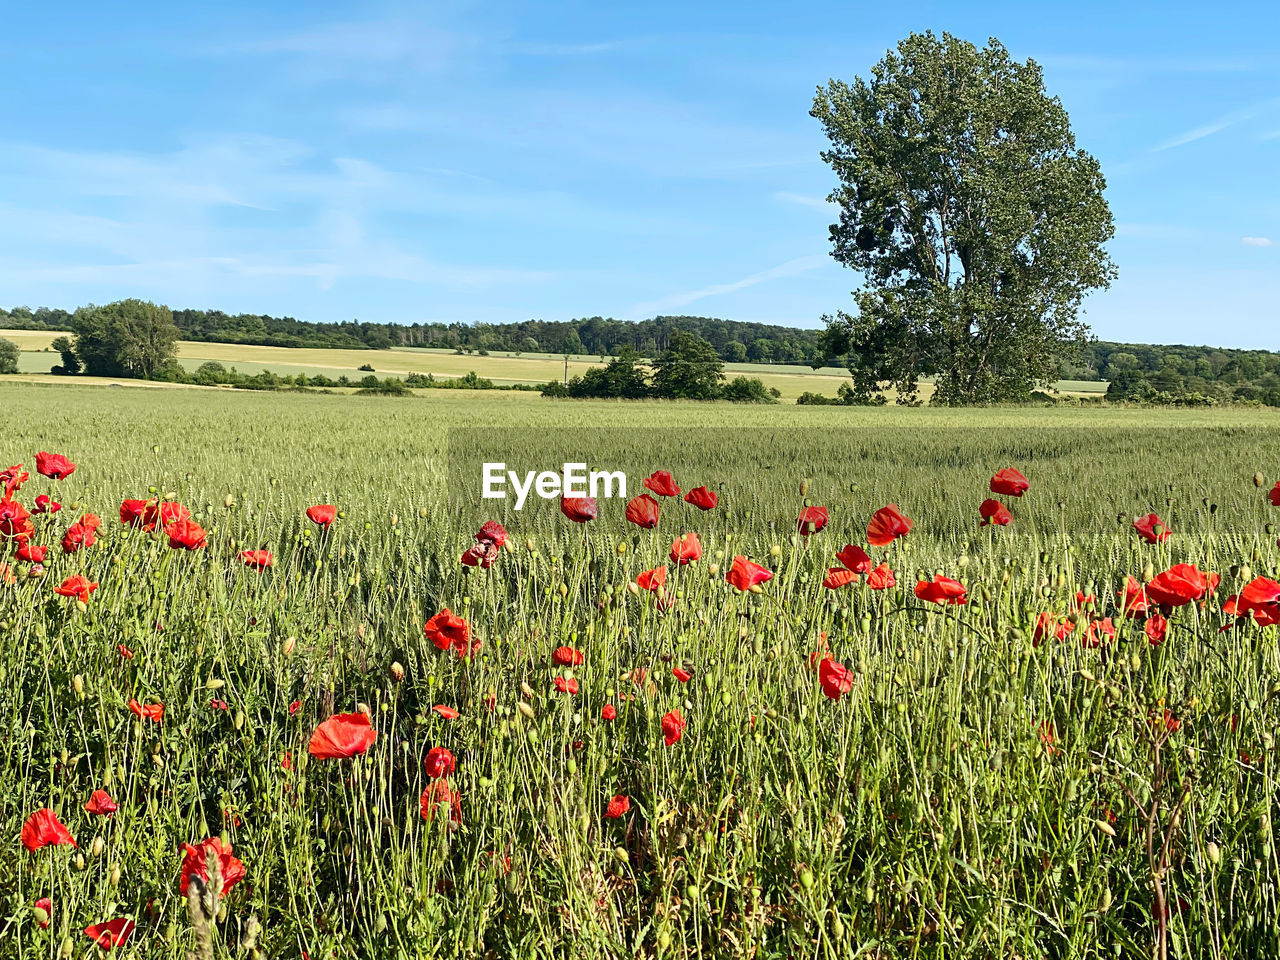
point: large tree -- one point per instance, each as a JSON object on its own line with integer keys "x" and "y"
{"x": 9, "y": 355}
{"x": 976, "y": 223}
{"x": 128, "y": 338}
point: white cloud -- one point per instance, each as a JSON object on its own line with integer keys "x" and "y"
{"x": 1215, "y": 126}
{"x": 800, "y": 199}
{"x": 788, "y": 269}
{"x": 1257, "y": 241}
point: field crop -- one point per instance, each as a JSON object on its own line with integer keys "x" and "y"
{"x": 860, "y": 771}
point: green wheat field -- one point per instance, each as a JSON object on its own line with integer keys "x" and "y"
{"x": 966, "y": 786}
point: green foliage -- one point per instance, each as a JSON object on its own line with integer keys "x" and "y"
{"x": 746, "y": 390}
{"x": 70, "y": 362}
{"x": 128, "y": 338}
{"x": 689, "y": 369}
{"x": 9, "y": 354}
{"x": 975, "y": 221}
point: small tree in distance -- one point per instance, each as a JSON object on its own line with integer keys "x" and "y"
{"x": 689, "y": 369}
{"x": 9, "y": 355}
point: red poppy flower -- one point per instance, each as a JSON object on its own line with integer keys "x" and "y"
{"x": 494, "y": 532}
{"x": 811, "y": 520}
{"x": 673, "y": 725}
{"x": 1082, "y": 601}
{"x": 439, "y": 793}
{"x": 1051, "y": 625}
{"x": 195, "y": 863}
{"x": 887, "y": 524}
{"x": 681, "y": 674}
{"x": 322, "y": 514}
{"x": 257, "y": 559}
{"x": 77, "y": 586}
{"x": 44, "y": 905}
{"x": 662, "y": 483}
{"x": 942, "y": 590}
{"x": 578, "y": 509}
{"x": 44, "y": 829}
{"x": 78, "y": 535}
{"x": 439, "y": 763}
{"x": 101, "y": 804}
{"x": 881, "y": 578}
{"x": 11, "y": 480}
{"x": 342, "y": 736}
{"x": 482, "y": 554}
{"x": 133, "y": 513}
{"x": 1133, "y": 598}
{"x": 702, "y": 498}
{"x": 216, "y": 704}
{"x": 286, "y": 761}
{"x": 566, "y": 685}
{"x": 1261, "y": 599}
{"x": 295, "y": 707}
{"x": 447, "y": 630}
{"x": 618, "y": 807}
{"x": 1098, "y": 633}
{"x": 30, "y": 553}
{"x": 1010, "y": 483}
{"x": 1156, "y": 628}
{"x": 449, "y": 713}
{"x": 609, "y": 712}
{"x": 164, "y": 513}
{"x": 186, "y": 535}
{"x": 838, "y": 577}
{"x": 995, "y": 513}
{"x": 1273, "y": 496}
{"x": 744, "y": 574}
{"x": 854, "y": 558}
{"x": 111, "y": 934}
{"x": 1152, "y": 529}
{"x": 652, "y": 579}
{"x": 150, "y": 711}
{"x": 567, "y": 657}
{"x": 1179, "y": 585}
{"x": 643, "y": 512}
{"x": 835, "y": 678}
{"x": 15, "y": 520}
{"x": 44, "y": 504}
{"x": 54, "y": 465}
{"x": 1047, "y": 736}
{"x": 686, "y": 548}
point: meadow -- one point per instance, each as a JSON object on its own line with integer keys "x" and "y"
{"x": 502, "y": 368}
{"x": 822, "y": 764}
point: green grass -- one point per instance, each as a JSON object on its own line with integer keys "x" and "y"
{"x": 921, "y": 814}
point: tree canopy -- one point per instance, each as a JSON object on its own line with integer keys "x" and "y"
{"x": 689, "y": 369}
{"x": 128, "y": 338}
{"x": 9, "y": 354}
{"x": 975, "y": 221}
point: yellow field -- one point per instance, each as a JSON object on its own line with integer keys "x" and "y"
{"x": 790, "y": 381}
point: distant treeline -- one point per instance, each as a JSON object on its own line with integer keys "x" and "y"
{"x": 734, "y": 341}
{"x": 1180, "y": 374}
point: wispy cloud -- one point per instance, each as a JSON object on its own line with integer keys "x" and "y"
{"x": 1257, "y": 241}
{"x": 803, "y": 200}
{"x": 790, "y": 268}
{"x": 1215, "y": 126}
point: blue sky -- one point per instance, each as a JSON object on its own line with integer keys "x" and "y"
{"x": 501, "y": 161}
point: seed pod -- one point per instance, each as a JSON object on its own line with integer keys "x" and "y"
{"x": 525, "y": 708}
{"x": 96, "y": 848}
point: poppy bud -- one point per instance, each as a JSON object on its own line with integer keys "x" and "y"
{"x": 1258, "y": 479}
{"x": 364, "y": 708}
{"x": 713, "y": 571}
{"x": 113, "y": 875}
{"x": 564, "y": 589}
{"x": 525, "y": 708}
{"x": 397, "y": 671}
{"x": 1105, "y": 904}
{"x": 804, "y": 487}
{"x": 633, "y": 588}
{"x": 1105, "y": 827}
{"x": 214, "y": 684}
{"x": 228, "y": 501}
{"x": 36, "y": 572}
{"x": 238, "y": 720}
{"x": 68, "y": 947}
{"x": 1211, "y": 848}
{"x": 526, "y": 689}
{"x": 77, "y": 684}
{"x": 289, "y": 644}
{"x": 775, "y": 550}
{"x": 80, "y": 862}
{"x": 96, "y": 848}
